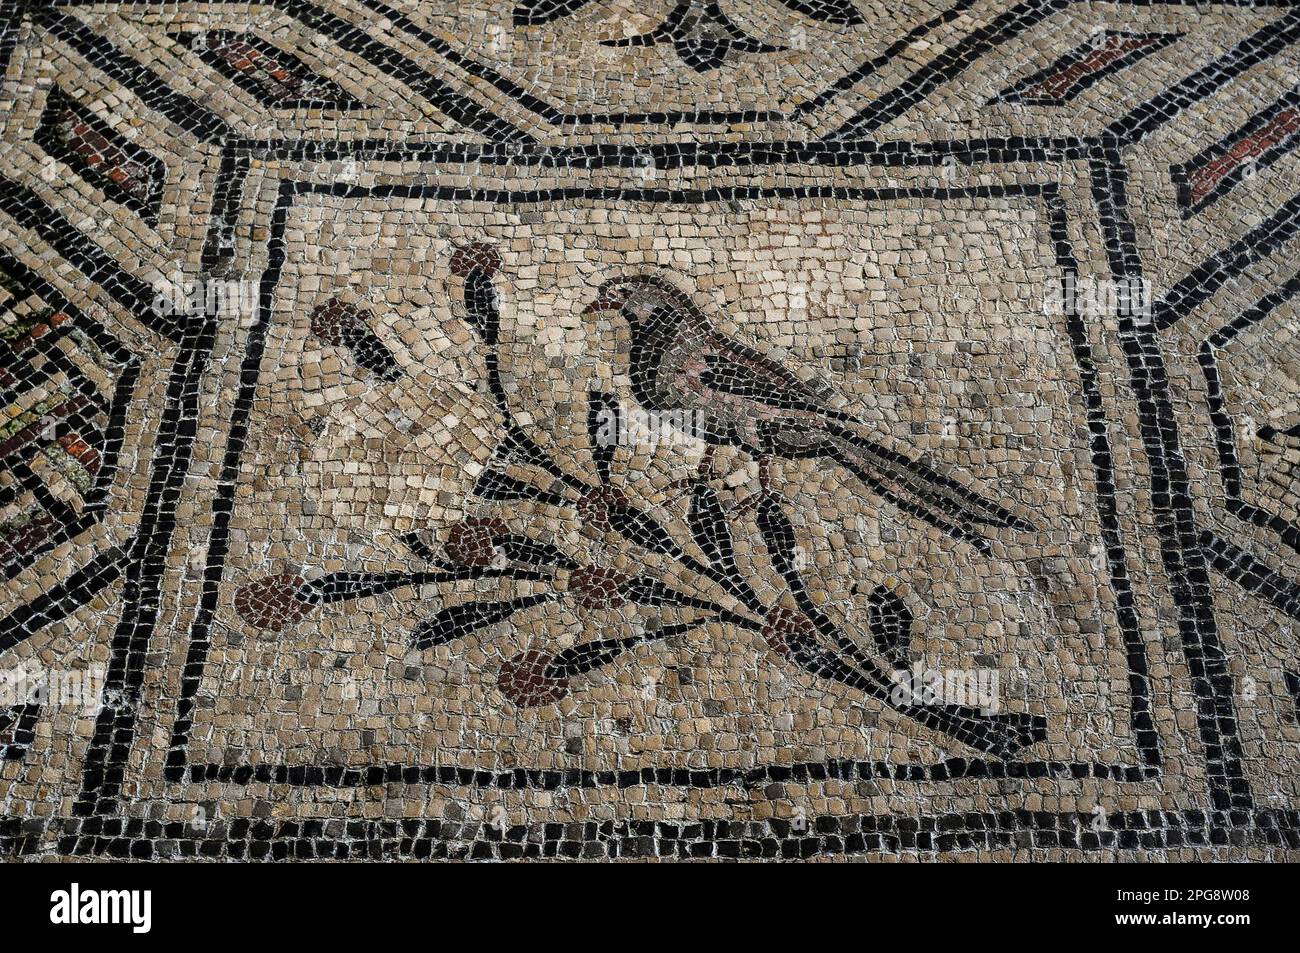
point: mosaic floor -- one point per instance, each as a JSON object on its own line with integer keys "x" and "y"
{"x": 605, "y": 429}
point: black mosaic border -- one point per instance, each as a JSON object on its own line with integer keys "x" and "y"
{"x": 468, "y": 112}
{"x": 1234, "y": 820}
{"x": 475, "y": 117}
{"x": 1107, "y": 838}
{"x": 104, "y": 775}
{"x": 1146, "y": 739}
{"x": 1184, "y": 560}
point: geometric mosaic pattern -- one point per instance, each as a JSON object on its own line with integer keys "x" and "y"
{"x": 586, "y": 429}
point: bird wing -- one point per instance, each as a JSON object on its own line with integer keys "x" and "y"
{"x": 733, "y": 368}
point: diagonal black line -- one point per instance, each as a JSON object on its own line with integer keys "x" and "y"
{"x": 1229, "y": 467}
{"x": 1212, "y": 274}
{"x": 223, "y": 501}
{"x": 1103, "y": 461}
{"x": 185, "y": 112}
{"x": 1263, "y": 43}
{"x": 1182, "y": 172}
{"x": 31, "y": 481}
{"x": 868, "y": 68}
{"x": 29, "y": 210}
{"x": 62, "y": 600}
{"x": 1175, "y": 521}
{"x": 456, "y": 105}
{"x": 470, "y": 66}
{"x": 143, "y": 568}
{"x": 946, "y": 66}
{"x": 1152, "y": 43}
{"x": 1252, "y": 575}
{"x": 35, "y": 284}
{"x": 208, "y": 126}
{"x": 56, "y": 361}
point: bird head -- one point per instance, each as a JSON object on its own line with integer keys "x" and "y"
{"x": 638, "y": 298}
{"x": 611, "y": 296}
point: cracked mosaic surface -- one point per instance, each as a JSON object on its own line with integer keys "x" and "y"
{"x": 589, "y": 429}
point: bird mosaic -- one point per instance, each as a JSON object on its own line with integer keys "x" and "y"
{"x": 678, "y": 363}
{"x": 741, "y": 398}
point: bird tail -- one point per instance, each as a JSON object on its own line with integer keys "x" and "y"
{"x": 918, "y": 489}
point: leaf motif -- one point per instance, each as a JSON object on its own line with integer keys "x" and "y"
{"x": 708, "y": 525}
{"x": 371, "y": 353}
{"x": 642, "y": 529}
{"x": 890, "y": 621}
{"x": 521, "y": 549}
{"x": 415, "y": 542}
{"x": 533, "y": 12}
{"x": 827, "y": 11}
{"x": 481, "y": 305}
{"x": 458, "y": 620}
{"x": 651, "y": 592}
{"x": 778, "y": 536}
{"x": 604, "y": 424}
{"x": 709, "y": 528}
{"x": 492, "y": 484}
{"x": 347, "y": 325}
{"x": 523, "y": 448}
{"x": 700, "y": 33}
{"x": 1000, "y": 735}
{"x": 817, "y": 659}
{"x": 583, "y": 658}
{"x": 344, "y": 585}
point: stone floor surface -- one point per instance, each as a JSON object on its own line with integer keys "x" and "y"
{"x": 594, "y": 429}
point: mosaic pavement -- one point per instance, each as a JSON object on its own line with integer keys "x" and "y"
{"x": 595, "y": 429}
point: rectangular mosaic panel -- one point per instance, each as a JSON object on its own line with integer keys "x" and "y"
{"x": 724, "y": 431}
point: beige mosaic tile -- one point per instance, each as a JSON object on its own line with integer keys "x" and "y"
{"x": 567, "y": 429}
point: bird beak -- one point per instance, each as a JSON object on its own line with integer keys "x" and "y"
{"x": 606, "y": 301}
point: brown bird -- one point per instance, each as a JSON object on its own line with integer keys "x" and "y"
{"x": 735, "y": 396}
